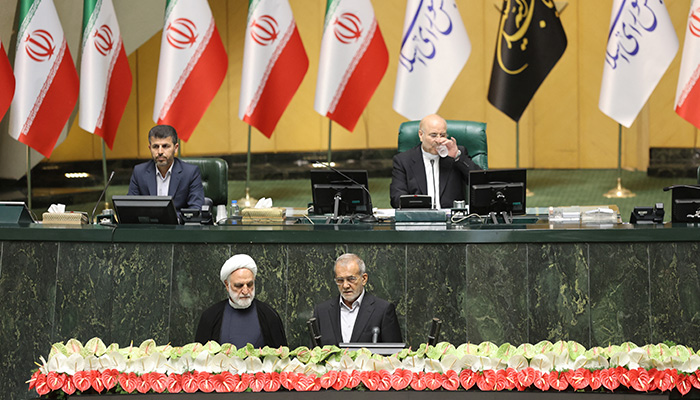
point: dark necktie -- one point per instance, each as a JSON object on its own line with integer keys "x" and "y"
{"x": 432, "y": 169}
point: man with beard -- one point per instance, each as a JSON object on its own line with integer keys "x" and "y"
{"x": 167, "y": 175}
{"x": 354, "y": 314}
{"x": 241, "y": 319}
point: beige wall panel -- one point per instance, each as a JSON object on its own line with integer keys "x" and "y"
{"x": 552, "y": 140}
{"x": 597, "y": 132}
{"x": 147, "y": 71}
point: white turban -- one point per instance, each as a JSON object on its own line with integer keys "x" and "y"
{"x": 237, "y": 262}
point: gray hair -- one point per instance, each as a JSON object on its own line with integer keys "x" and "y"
{"x": 348, "y": 258}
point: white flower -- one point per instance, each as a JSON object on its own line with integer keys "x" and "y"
{"x": 518, "y": 362}
{"x": 542, "y": 362}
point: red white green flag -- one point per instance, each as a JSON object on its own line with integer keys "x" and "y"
{"x": 274, "y": 64}
{"x": 7, "y": 82}
{"x": 193, "y": 64}
{"x": 105, "y": 76}
{"x": 353, "y": 61}
{"x": 46, "y": 81}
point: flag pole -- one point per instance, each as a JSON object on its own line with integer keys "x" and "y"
{"x": 330, "y": 126}
{"x": 104, "y": 171}
{"x": 528, "y": 192}
{"x": 247, "y": 201}
{"x": 29, "y": 178}
{"x": 619, "y": 192}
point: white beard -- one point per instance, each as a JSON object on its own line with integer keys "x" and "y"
{"x": 239, "y": 302}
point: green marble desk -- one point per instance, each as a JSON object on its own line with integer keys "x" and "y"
{"x": 522, "y": 283}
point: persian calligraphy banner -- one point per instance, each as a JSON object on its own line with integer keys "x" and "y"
{"x": 641, "y": 46}
{"x": 688, "y": 91}
{"x": 105, "y": 76}
{"x": 7, "y": 82}
{"x": 353, "y": 61}
{"x": 530, "y": 41}
{"x": 434, "y": 49}
{"x": 46, "y": 81}
{"x": 192, "y": 66}
{"x": 274, "y": 64}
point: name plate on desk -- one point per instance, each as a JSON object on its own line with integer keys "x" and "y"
{"x": 421, "y": 215}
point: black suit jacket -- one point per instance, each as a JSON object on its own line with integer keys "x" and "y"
{"x": 209, "y": 327}
{"x": 408, "y": 176}
{"x": 185, "y": 183}
{"x": 373, "y": 312}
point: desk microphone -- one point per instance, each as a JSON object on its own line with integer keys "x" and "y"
{"x": 92, "y": 216}
{"x": 375, "y": 334}
{"x": 312, "y": 324}
{"x": 370, "y": 217}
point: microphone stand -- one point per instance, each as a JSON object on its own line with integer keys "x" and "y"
{"x": 92, "y": 215}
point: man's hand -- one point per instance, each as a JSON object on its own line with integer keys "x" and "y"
{"x": 451, "y": 145}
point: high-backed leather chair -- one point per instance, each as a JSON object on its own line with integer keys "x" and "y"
{"x": 469, "y": 134}
{"x": 214, "y": 177}
{"x": 698, "y": 175}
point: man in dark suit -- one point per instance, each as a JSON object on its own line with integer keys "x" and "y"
{"x": 354, "y": 314}
{"x": 241, "y": 318}
{"x": 422, "y": 170}
{"x": 166, "y": 175}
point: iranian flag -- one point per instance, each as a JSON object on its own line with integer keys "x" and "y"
{"x": 274, "y": 64}
{"x": 688, "y": 90}
{"x": 7, "y": 82}
{"x": 192, "y": 66}
{"x": 353, "y": 61}
{"x": 105, "y": 77}
{"x": 47, "y": 84}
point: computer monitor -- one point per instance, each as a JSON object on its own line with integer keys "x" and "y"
{"x": 145, "y": 210}
{"x": 351, "y": 187}
{"x": 495, "y": 190}
{"x": 685, "y": 203}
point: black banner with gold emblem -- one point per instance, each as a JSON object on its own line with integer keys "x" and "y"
{"x": 530, "y": 41}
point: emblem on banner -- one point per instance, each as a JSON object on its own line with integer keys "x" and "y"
{"x": 694, "y": 22}
{"x": 264, "y": 30}
{"x": 39, "y": 45}
{"x": 182, "y": 33}
{"x": 347, "y": 28}
{"x": 104, "y": 40}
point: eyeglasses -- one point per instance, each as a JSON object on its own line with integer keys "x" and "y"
{"x": 351, "y": 280}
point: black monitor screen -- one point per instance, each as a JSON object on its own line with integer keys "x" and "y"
{"x": 497, "y": 190}
{"x": 353, "y": 196}
{"x": 686, "y": 203}
{"x": 145, "y": 210}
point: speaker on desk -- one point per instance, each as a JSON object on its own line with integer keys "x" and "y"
{"x": 15, "y": 213}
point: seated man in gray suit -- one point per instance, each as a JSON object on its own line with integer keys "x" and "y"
{"x": 166, "y": 175}
{"x": 354, "y": 314}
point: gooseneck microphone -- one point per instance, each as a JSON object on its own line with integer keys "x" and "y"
{"x": 92, "y": 216}
{"x": 375, "y": 334}
{"x": 370, "y": 217}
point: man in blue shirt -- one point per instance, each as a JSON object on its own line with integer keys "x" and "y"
{"x": 241, "y": 319}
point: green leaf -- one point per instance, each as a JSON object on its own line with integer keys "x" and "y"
{"x": 58, "y": 347}
{"x": 575, "y": 349}
{"x": 95, "y": 346}
{"x": 303, "y": 354}
{"x": 212, "y": 347}
{"x": 148, "y": 347}
{"x": 228, "y": 349}
{"x": 486, "y": 349}
{"x": 544, "y": 346}
{"x": 420, "y": 352}
{"x": 468, "y": 348}
{"x": 526, "y": 350}
{"x": 681, "y": 352}
{"x": 74, "y": 346}
{"x": 505, "y": 352}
